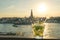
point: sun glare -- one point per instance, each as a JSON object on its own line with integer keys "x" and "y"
{"x": 42, "y": 7}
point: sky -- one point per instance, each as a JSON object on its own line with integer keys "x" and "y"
{"x": 22, "y": 8}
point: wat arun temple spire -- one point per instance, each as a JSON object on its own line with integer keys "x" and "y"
{"x": 31, "y": 16}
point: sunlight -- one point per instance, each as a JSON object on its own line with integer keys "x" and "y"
{"x": 42, "y": 8}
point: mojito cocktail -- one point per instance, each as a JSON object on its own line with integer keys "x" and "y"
{"x": 38, "y": 29}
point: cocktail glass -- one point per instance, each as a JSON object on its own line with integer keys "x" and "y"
{"x": 38, "y": 29}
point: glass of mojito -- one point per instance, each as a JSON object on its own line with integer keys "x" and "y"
{"x": 38, "y": 29}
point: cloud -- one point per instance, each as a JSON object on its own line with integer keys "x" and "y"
{"x": 11, "y": 7}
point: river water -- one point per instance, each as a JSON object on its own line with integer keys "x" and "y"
{"x": 52, "y": 31}
{"x": 26, "y": 29}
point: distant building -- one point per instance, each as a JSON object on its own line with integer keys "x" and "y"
{"x": 31, "y": 16}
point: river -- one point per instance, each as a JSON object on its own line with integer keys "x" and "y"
{"x": 52, "y": 31}
{"x": 26, "y": 29}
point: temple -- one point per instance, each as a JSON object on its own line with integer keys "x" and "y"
{"x": 31, "y": 16}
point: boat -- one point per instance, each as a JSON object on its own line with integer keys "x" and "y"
{"x": 22, "y": 23}
{"x": 15, "y": 26}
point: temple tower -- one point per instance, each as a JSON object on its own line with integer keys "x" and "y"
{"x": 31, "y": 16}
